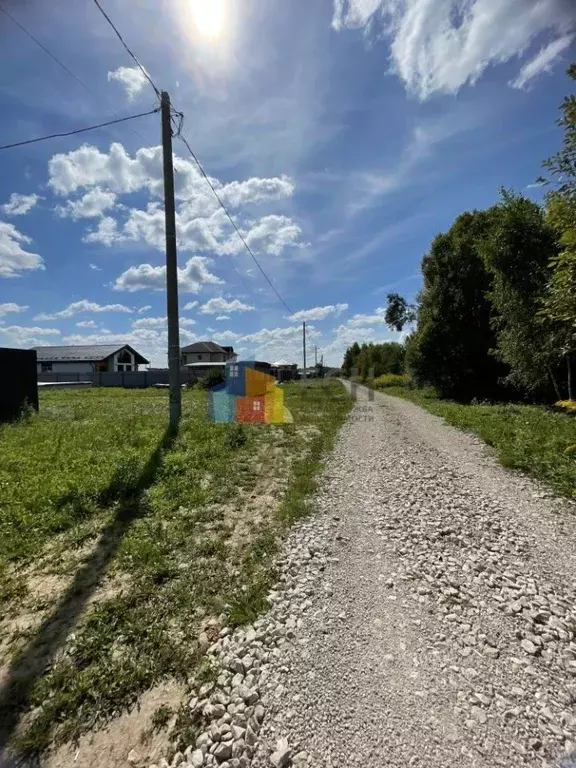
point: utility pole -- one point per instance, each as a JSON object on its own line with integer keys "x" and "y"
{"x": 304, "y": 347}
{"x": 175, "y": 395}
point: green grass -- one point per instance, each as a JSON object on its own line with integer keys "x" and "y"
{"x": 532, "y": 438}
{"x": 149, "y": 535}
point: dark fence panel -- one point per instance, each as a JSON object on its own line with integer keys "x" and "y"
{"x": 139, "y": 380}
{"x": 18, "y": 383}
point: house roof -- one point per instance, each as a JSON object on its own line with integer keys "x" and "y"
{"x": 92, "y": 353}
{"x": 204, "y": 346}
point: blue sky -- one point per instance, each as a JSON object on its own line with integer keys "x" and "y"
{"x": 342, "y": 135}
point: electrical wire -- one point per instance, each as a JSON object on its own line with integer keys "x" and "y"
{"x": 79, "y": 130}
{"x": 63, "y": 66}
{"x": 230, "y": 219}
{"x": 109, "y": 20}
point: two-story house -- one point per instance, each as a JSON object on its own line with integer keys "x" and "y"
{"x": 201, "y": 356}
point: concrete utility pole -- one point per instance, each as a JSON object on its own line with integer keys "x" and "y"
{"x": 175, "y": 395}
{"x": 304, "y": 346}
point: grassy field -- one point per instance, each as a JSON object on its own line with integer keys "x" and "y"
{"x": 533, "y": 438}
{"x": 119, "y": 543}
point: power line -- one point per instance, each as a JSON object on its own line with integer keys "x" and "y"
{"x": 231, "y": 220}
{"x": 79, "y": 130}
{"x": 109, "y": 20}
{"x": 62, "y": 65}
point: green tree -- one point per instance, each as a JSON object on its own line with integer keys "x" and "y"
{"x": 398, "y": 312}
{"x": 517, "y": 249}
{"x": 558, "y": 313}
{"x": 562, "y": 165}
{"x": 559, "y": 304}
{"x": 450, "y": 350}
{"x": 350, "y": 357}
{"x": 388, "y": 357}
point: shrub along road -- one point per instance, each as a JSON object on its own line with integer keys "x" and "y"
{"x": 424, "y": 616}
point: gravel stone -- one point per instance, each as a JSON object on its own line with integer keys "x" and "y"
{"x": 473, "y": 661}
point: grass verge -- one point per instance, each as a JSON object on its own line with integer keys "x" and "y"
{"x": 120, "y": 544}
{"x": 532, "y": 438}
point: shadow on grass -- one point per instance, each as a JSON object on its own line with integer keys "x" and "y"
{"x": 29, "y": 666}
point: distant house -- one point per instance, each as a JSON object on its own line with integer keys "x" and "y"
{"x": 88, "y": 359}
{"x": 203, "y": 356}
{"x": 284, "y": 371}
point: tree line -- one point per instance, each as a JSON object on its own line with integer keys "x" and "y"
{"x": 496, "y": 315}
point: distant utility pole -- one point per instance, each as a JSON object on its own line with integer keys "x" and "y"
{"x": 175, "y": 395}
{"x": 304, "y": 346}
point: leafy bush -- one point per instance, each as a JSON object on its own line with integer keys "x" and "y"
{"x": 391, "y": 380}
{"x": 213, "y": 377}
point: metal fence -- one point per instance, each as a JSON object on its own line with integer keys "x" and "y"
{"x": 131, "y": 379}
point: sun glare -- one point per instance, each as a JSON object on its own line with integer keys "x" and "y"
{"x": 209, "y": 16}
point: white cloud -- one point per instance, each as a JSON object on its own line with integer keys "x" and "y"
{"x": 318, "y": 313}
{"x": 119, "y": 172}
{"x": 256, "y": 190}
{"x": 94, "y": 266}
{"x": 227, "y": 336}
{"x": 223, "y": 317}
{"x": 13, "y": 258}
{"x": 106, "y": 232}
{"x": 145, "y": 277}
{"x": 132, "y": 78}
{"x": 377, "y": 318}
{"x": 87, "y": 167}
{"x": 146, "y": 308}
{"x": 91, "y": 205}
{"x": 542, "y": 62}
{"x": 219, "y": 305}
{"x": 191, "y": 305}
{"x": 86, "y": 324}
{"x": 84, "y": 305}
{"x": 201, "y": 223}
{"x": 18, "y": 205}
{"x": 274, "y": 233}
{"x": 438, "y": 46}
{"x": 20, "y": 336}
{"x": 11, "y": 307}
{"x": 150, "y": 322}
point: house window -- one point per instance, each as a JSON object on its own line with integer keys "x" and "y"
{"x": 257, "y": 405}
{"x": 46, "y": 367}
{"x": 199, "y": 357}
{"x": 124, "y": 362}
{"x": 233, "y": 371}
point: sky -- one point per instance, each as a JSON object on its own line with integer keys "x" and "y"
{"x": 341, "y": 135}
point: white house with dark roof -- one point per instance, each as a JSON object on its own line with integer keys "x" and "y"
{"x": 88, "y": 359}
{"x": 206, "y": 352}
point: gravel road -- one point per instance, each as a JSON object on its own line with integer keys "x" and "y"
{"x": 425, "y": 615}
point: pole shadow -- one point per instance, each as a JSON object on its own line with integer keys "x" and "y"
{"x": 31, "y": 664}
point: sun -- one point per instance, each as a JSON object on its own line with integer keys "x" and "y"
{"x": 209, "y": 16}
